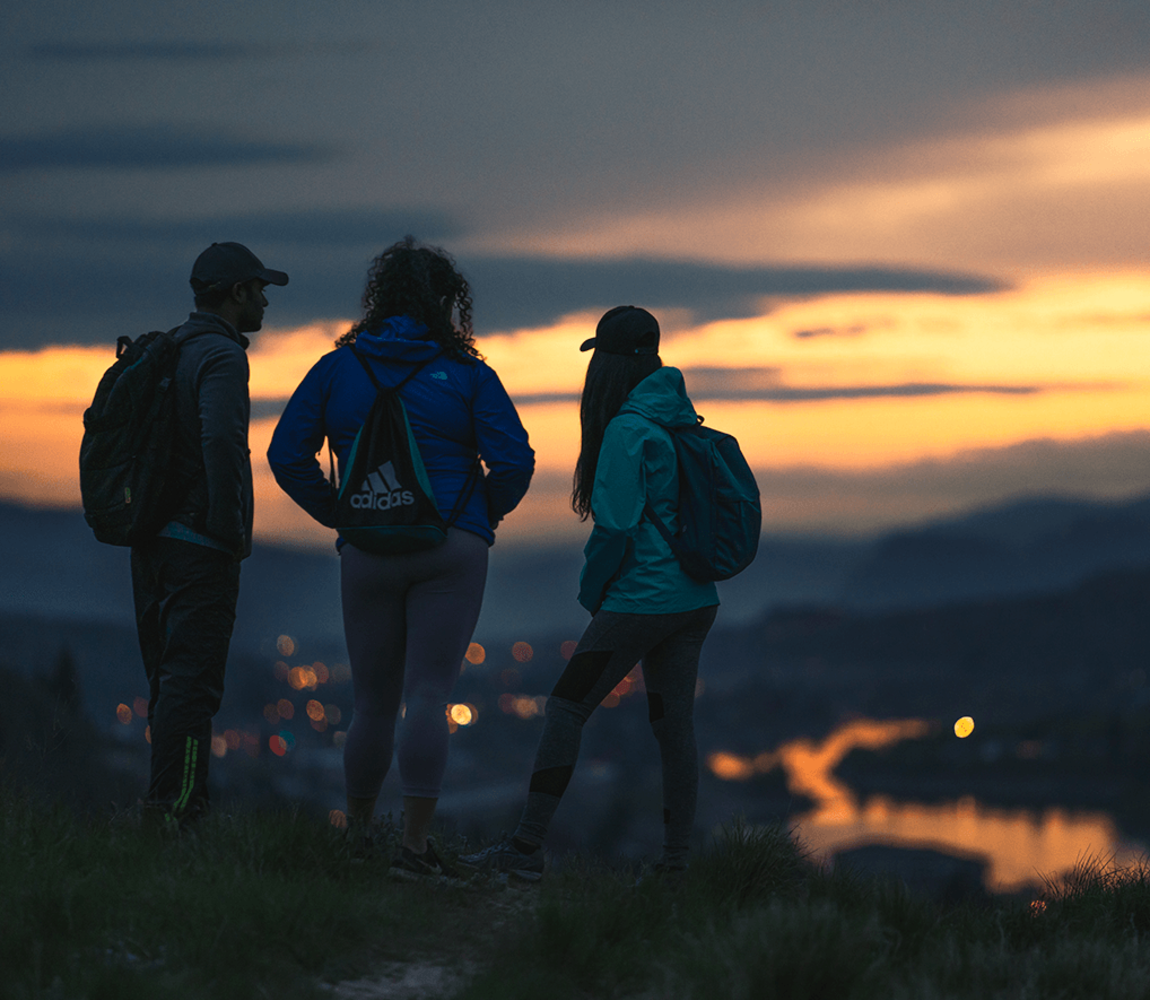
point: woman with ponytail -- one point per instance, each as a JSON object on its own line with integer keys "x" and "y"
{"x": 645, "y": 608}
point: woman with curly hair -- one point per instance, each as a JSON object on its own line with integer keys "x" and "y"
{"x": 408, "y": 617}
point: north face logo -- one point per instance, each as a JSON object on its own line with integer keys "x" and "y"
{"x": 382, "y": 491}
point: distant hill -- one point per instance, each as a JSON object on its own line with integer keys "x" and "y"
{"x": 1025, "y": 547}
{"x": 1085, "y": 649}
{"x": 55, "y": 570}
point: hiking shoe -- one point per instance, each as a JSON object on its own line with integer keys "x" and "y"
{"x": 506, "y": 857}
{"x": 366, "y": 841}
{"x": 670, "y": 874}
{"x": 422, "y": 867}
{"x": 359, "y": 842}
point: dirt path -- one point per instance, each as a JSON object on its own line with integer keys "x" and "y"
{"x": 436, "y": 978}
{"x": 406, "y": 981}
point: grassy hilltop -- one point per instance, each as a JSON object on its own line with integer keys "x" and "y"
{"x": 265, "y": 905}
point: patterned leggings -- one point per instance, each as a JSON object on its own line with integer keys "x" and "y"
{"x": 669, "y": 648}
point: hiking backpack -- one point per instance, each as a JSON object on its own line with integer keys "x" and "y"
{"x": 385, "y": 504}
{"x": 720, "y": 514}
{"x": 127, "y": 484}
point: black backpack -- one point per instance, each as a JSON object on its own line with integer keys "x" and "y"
{"x": 385, "y": 504}
{"x": 127, "y": 484}
{"x": 720, "y": 513}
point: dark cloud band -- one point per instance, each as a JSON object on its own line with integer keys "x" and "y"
{"x": 157, "y": 147}
{"x": 819, "y": 394}
{"x": 133, "y": 51}
{"x": 85, "y": 280}
{"x": 186, "y": 50}
{"x": 708, "y": 291}
{"x": 713, "y": 393}
{"x": 366, "y": 228}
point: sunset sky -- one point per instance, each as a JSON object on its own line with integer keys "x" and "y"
{"x": 898, "y": 249}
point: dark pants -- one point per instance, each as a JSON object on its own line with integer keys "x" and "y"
{"x": 668, "y": 647}
{"x": 185, "y": 597}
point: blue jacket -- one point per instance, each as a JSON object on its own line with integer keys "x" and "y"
{"x": 629, "y": 567}
{"x": 457, "y": 410}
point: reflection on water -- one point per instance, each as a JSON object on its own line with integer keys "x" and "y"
{"x": 1019, "y": 846}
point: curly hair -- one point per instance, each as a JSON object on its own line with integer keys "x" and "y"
{"x": 420, "y": 282}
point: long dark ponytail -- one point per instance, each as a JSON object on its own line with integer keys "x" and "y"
{"x": 610, "y": 379}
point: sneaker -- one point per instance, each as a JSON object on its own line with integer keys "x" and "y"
{"x": 506, "y": 857}
{"x": 359, "y": 842}
{"x": 668, "y": 873}
{"x": 158, "y": 819}
{"x": 426, "y": 866}
{"x": 366, "y": 841}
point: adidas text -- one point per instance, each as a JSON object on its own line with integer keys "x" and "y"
{"x": 382, "y": 501}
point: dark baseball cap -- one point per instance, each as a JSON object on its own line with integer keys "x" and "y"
{"x": 226, "y": 264}
{"x": 626, "y": 330}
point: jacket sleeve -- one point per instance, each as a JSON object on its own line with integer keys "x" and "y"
{"x": 617, "y": 500}
{"x": 502, "y": 444}
{"x": 297, "y": 439}
{"x": 223, "y": 407}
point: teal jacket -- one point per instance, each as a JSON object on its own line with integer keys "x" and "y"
{"x": 629, "y": 567}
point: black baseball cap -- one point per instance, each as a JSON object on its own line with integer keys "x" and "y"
{"x": 626, "y": 330}
{"x": 226, "y": 264}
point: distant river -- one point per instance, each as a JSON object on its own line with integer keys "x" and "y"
{"x": 1020, "y": 846}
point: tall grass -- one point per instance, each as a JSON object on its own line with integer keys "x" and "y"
{"x": 263, "y": 905}
{"x": 754, "y": 920}
{"x": 249, "y": 906}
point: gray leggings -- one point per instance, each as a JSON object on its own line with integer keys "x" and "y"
{"x": 669, "y": 647}
{"x": 408, "y": 620}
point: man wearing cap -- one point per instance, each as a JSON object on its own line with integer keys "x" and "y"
{"x": 185, "y": 580}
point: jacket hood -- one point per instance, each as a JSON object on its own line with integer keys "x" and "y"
{"x": 399, "y": 338}
{"x": 197, "y": 322}
{"x": 662, "y": 397}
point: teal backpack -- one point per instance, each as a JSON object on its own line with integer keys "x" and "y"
{"x": 720, "y": 513}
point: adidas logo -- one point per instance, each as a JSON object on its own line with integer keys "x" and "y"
{"x": 439, "y": 375}
{"x": 382, "y": 491}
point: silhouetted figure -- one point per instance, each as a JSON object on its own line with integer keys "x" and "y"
{"x": 646, "y": 608}
{"x": 408, "y": 616}
{"x": 186, "y": 579}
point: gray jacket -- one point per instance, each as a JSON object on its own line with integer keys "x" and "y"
{"x": 213, "y": 410}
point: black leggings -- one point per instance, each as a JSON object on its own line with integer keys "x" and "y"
{"x": 408, "y": 620}
{"x": 669, "y": 647}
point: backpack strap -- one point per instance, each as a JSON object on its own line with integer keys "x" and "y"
{"x": 473, "y": 475}
{"x": 402, "y": 382}
{"x": 649, "y": 511}
{"x": 378, "y": 388}
{"x": 659, "y": 523}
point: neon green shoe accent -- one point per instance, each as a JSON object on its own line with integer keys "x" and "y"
{"x": 191, "y": 751}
